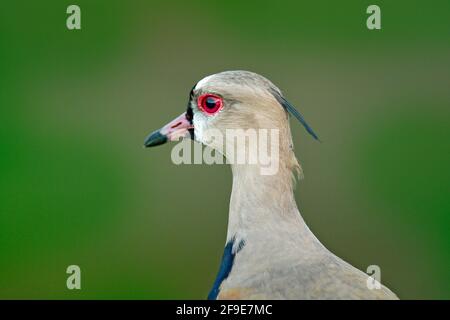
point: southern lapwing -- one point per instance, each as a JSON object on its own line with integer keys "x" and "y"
{"x": 270, "y": 253}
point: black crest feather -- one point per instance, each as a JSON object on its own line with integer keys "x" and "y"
{"x": 291, "y": 109}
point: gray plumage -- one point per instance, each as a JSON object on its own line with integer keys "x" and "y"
{"x": 281, "y": 258}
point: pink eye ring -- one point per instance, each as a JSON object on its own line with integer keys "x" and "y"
{"x": 210, "y": 103}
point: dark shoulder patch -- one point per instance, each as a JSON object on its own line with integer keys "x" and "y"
{"x": 225, "y": 267}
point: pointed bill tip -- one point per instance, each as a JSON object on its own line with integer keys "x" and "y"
{"x": 155, "y": 138}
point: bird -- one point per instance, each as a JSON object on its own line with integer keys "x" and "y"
{"x": 270, "y": 252}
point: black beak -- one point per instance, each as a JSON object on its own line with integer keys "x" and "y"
{"x": 155, "y": 139}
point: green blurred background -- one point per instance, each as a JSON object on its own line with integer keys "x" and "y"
{"x": 77, "y": 187}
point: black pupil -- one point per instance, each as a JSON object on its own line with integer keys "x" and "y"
{"x": 210, "y": 102}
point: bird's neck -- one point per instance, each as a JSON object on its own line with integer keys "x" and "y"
{"x": 262, "y": 204}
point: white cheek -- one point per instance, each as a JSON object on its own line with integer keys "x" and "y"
{"x": 200, "y": 126}
{"x": 206, "y": 133}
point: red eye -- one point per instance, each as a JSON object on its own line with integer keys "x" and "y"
{"x": 210, "y": 103}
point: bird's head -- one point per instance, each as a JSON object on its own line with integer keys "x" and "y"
{"x": 230, "y": 100}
